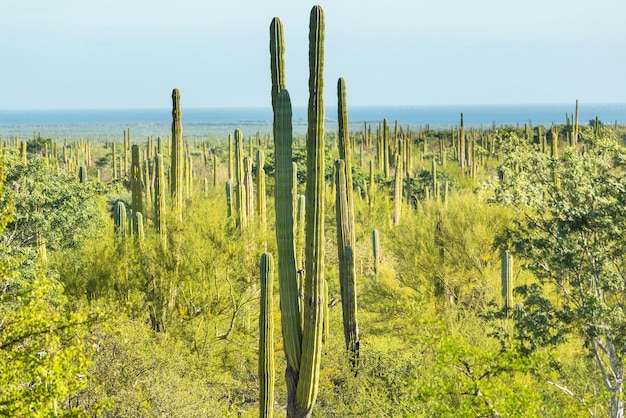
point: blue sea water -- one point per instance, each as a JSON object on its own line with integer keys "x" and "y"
{"x": 216, "y": 122}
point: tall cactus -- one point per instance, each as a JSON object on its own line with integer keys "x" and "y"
{"x": 507, "y": 280}
{"x": 260, "y": 188}
{"x": 135, "y": 181}
{"x": 314, "y": 250}
{"x": 277, "y": 59}
{"x": 82, "y": 174}
{"x": 345, "y": 153}
{"x": 289, "y": 299}
{"x": 376, "y": 250}
{"x": 176, "y": 177}
{"x": 230, "y": 198}
{"x": 266, "y": 338}
{"x": 159, "y": 196}
{"x": 347, "y": 270}
{"x": 249, "y": 189}
{"x": 120, "y": 219}
{"x": 240, "y": 193}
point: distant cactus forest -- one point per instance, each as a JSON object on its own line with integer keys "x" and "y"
{"x": 385, "y": 271}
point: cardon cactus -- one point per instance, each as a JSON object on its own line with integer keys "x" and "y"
{"x": 314, "y": 251}
{"x": 260, "y": 188}
{"x": 120, "y": 219}
{"x": 277, "y": 59}
{"x": 82, "y": 174}
{"x": 135, "y": 181}
{"x": 159, "y": 196}
{"x": 376, "y": 250}
{"x": 176, "y": 177}
{"x": 266, "y": 338}
{"x": 347, "y": 270}
{"x": 289, "y": 297}
{"x": 230, "y": 198}
{"x": 249, "y": 189}
{"x": 507, "y": 280}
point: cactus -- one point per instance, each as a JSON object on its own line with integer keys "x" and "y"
{"x": 397, "y": 191}
{"x": 148, "y": 185}
{"x": 385, "y": 148}
{"x": 214, "y": 170}
{"x": 139, "y": 236}
{"x": 461, "y": 152}
{"x": 231, "y": 167}
{"x": 277, "y": 60}
{"x": 507, "y": 281}
{"x": 119, "y": 217}
{"x": 289, "y": 304}
{"x": 240, "y": 193}
{"x": 249, "y": 189}
{"x": 23, "y": 153}
{"x": 113, "y": 157}
{"x": 260, "y": 188}
{"x": 82, "y": 174}
{"x": 345, "y": 153}
{"x": 266, "y": 338}
{"x": 176, "y": 176}
{"x": 347, "y": 270}
{"x": 159, "y": 196}
{"x": 135, "y": 181}
{"x": 314, "y": 250}
{"x": 230, "y": 199}
{"x": 376, "y": 250}
{"x": 300, "y": 230}
{"x": 435, "y": 184}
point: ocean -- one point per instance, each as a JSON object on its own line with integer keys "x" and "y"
{"x": 218, "y": 122}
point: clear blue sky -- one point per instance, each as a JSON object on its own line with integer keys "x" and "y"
{"x": 59, "y": 54}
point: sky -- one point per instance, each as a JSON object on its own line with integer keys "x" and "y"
{"x": 102, "y": 54}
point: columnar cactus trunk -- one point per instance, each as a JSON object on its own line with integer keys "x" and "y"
{"x": 397, "y": 191}
{"x": 249, "y": 189}
{"x": 231, "y": 158}
{"x": 314, "y": 250}
{"x": 277, "y": 59}
{"x": 135, "y": 181}
{"x": 507, "y": 281}
{"x": 260, "y": 188}
{"x": 159, "y": 196}
{"x": 347, "y": 270}
{"x": 82, "y": 174}
{"x": 240, "y": 193}
{"x": 345, "y": 153}
{"x": 376, "y": 250}
{"x": 385, "y": 148}
{"x": 461, "y": 153}
{"x": 289, "y": 296}
{"x": 176, "y": 176}
{"x": 230, "y": 198}
{"x": 120, "y": 219}
{"x": 214, "y": 170}
{"x": 140, "y": 235}
{"x": 266, "y": 338}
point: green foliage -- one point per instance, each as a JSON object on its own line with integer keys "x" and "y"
{"x": 569, "y": 230}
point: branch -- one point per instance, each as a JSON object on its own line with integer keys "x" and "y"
{"x": 572, "y": 394}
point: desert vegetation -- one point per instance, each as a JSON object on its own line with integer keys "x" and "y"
{"x": 388, "y": 270}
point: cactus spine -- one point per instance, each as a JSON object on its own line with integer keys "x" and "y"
{"x": 266, "y": 338}
{"x": 176, "y": 176}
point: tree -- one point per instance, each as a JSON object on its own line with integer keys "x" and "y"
{"x": 570, "y": 233}
{"x": 44, "y": 347}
